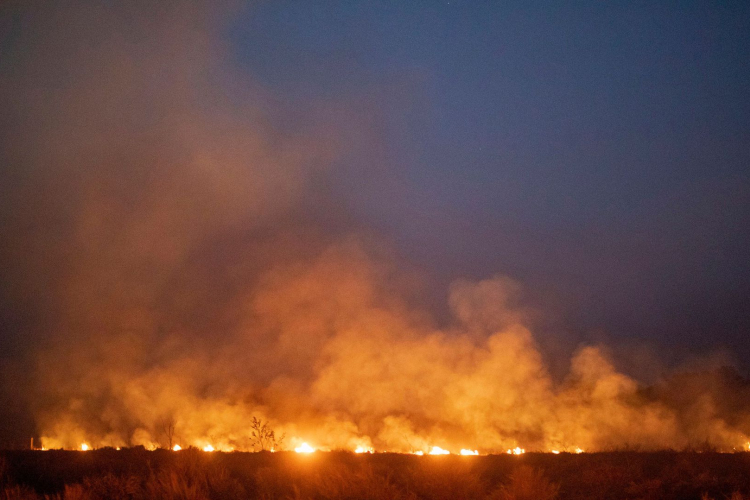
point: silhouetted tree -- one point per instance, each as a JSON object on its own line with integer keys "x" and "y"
{"x": 264, "y": 437}
{"x": 167, "y": 427}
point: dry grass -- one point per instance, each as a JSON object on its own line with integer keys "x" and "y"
{"x": 526, "y": 483}
{"x": 137, "y": 474}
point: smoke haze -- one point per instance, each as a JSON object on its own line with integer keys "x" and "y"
{"x": 172, "y": 254}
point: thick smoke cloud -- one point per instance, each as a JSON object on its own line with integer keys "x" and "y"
{"x": 164, "y": 265}
{"x": 139, "y": 182}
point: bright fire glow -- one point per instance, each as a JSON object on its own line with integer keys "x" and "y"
{"x": 84, "y": 447}
{"x": 469, "y": 452}
{"x": 556, "y": 452}
{"x": 208, "y": 447}
{"x": 304, "y": 448}
{"x": 420, "y": 452}
{"x": 437, "y": 450}
{"x": 362, "y": 449}
{"x": 578, "y": 450}
{"x": 176, "y": 447}
{"x": 516, "y": 451}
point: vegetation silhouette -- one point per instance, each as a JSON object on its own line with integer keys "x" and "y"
{"x": 191, "y": 474}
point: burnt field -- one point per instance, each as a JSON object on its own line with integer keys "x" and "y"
{"x": 192, "y": 474}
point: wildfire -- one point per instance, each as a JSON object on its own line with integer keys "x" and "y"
{"x": 304, "y": 448}
{"x": 567, "y": 450}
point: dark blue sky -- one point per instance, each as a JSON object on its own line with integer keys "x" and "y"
{"x": 597, "y": 152}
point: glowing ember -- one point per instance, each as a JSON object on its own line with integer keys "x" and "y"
{"x": 420, "y": 452}
{"x": 469, "y": 452}
{"x": 362, "y": 449}
{"x": 556, "y": 452}
{"x": 304, "y": 448}
{"x": 516, "y": 451}
{"x": 208, "y": 447}
{"x": 84, "y": 447}
{"x": 578, "y": 450}
{"x": 176, "y": 447}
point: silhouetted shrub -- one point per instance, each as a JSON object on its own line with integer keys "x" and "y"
{"x": 526, "y": 483}
{"x": 192, "y": 474}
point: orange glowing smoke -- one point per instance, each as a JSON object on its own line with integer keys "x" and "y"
{"x": 482, "y": 381}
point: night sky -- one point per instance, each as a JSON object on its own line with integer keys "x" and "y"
{"x": 596, "y": 153}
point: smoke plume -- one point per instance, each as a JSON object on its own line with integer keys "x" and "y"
{"x": 172, "y": 258}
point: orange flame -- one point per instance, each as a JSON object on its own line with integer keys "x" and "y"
{"x": 304, "y": 448}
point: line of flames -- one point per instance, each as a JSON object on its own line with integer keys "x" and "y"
{"x": 305, "y": 448}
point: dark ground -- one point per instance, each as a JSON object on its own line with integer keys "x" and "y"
{"x": 192, "y": 474}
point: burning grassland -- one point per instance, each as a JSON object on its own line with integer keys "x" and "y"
{"x": 181, "y": 270}
{"x": 342, "y": 370}
{"x": 327, "y": 356}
